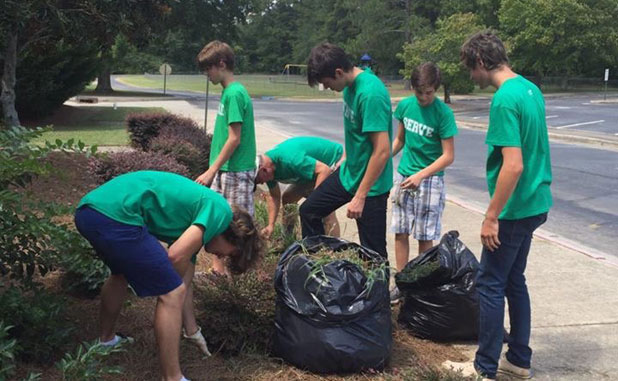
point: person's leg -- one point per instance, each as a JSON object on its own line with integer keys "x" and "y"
{"x": 372, "y": 224}
{"x": 519, "y": 352}
{"x": 402, "y": 250}
{"x": 168, "y": 321}
{"x": 237, "y": 188}
{"x": 428, "y": 207}
{"x": 113, "y": 295}
{"x": 291, "y": 195}
{"x": 324, "y": 200}
{"x": 424, "y": 245}
{"x": 492, "y": 278}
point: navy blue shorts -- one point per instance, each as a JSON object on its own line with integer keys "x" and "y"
{"x": 129, "y": 250}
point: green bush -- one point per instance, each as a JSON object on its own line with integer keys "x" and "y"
{"x": 37, "y": 321}
{"x": 87, "y": 364}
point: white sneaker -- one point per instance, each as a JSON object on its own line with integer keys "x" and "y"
{"x": 507, "y": 368}
{"x": 198, "y": 340}
{"x": 395, "y": 295}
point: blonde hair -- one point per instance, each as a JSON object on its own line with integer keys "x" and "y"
{"x": 243, "y": 234}
{"x": 213, "y": 53}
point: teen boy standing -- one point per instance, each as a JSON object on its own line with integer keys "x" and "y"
{"x": 426, "y": 131}
{"x": 519, "y": 177}
{"x": 365, "y": 177}
{"x": 232, "y": 166}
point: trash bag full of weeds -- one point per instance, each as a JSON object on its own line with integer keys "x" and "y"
{"x": 332, "y": 312}
{"x": 440, "y": 300}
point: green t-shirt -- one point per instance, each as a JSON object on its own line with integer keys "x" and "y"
{"x": 295, "y": 158}
{"x": 425, "y": 128}
{"x": 517, "y": 119}
{"x": 235, "y": 107}
{"x": 166, "y": 203}
{"x": 366, "y": 109}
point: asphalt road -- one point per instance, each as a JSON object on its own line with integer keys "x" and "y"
{"x": 585, "y": 186}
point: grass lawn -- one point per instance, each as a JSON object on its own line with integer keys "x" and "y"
{"x": 102, "y": 126}
{"x": 258, "y": 85}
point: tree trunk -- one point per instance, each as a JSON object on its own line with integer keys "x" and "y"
{"x": 447, "y": 93}
{"x": 7, "y": 97}
{"x": 104, "y": 82}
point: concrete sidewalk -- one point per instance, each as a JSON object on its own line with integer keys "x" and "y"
{"x": 574, "y": 296}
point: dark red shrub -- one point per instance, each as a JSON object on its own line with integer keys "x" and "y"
{"x": 184, "y": 152}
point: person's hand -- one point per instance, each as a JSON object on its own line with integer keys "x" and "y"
{"x": 267, "y": 231}
{"x": 206, "y": 178}
{"x": 489, "y": 233}
{"x": 356, "y": 206}
{"x": 198, "y": 340}
{"x": 412, "y": 182}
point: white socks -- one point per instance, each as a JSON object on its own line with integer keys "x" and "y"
{"x": 112, "y": 342}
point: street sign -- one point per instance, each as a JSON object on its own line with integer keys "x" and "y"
{"x": 165, "y": 69}
{"x": 606, "y": 79}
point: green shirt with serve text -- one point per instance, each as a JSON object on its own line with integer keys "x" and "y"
{"x": 425, "y": 128}
{"x": 366, "y": 109}
{"x": 235, "y": 107}
{"x": 166, "y": 203}
{"x": 517, "y": 119}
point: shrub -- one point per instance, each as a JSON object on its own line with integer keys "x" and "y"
{"x": 7, "y": 349}
{"x": 86, "y": 363}
{"x": 182, "y": 151}
{"x": 143, "y": 127}
{"x": 240, "y": 312}
{"x": 190, "y": 132}
{"x": 107, "y": 167}
{"x": 37, "y": 322}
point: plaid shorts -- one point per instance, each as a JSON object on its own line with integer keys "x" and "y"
{"x": 236, "y": 187}
{"x": 418, "y": 212}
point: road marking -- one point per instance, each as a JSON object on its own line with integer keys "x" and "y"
{"x": 551, "y": 116}
{"x": 579, "y": 124}
{"x": 586, "y": 104}
{"x": 476, "y": 117}
{"x": 562, "y": 107}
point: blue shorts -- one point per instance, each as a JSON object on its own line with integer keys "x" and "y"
{"x": 129, "y": 250}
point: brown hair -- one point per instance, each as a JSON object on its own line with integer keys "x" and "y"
{"x": 213, "y": 53}
{"x": 426, "y": 74}
{"x": 485, "y": 46}
{"x": 324, "y": 59}
{"x": 243, "y": 234}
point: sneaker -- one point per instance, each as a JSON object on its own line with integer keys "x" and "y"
{"x": 507, "y": 368}
{"x": 395, "y": 295}
{"x": 119, "y": 339}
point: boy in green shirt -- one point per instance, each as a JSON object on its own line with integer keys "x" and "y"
{"x": 519, "y": 178}
{"x": 232, "y": 152}
{"x": 124, "y": 220}
{"x": 365, "y": 176}
{"x": 426, "y": 134}
{"x": 303, "y": 162}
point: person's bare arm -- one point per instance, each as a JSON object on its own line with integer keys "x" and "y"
{"x": 273, "y": 203}
{"x": 232, "y": 142}
{"x": 446, "y": 159}
{"x": 181, "y": 251}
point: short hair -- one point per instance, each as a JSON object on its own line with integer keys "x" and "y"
{"x": 243, "y": 233}
{"x": 425, "y": 74}
{"x": 213, "y": 53}
{"x": 323, "y": 60}
{"x": 485, "y": 46}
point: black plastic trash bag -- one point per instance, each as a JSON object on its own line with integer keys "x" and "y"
{"x": 440, "y": 300}
{"x": 337, "y": 322}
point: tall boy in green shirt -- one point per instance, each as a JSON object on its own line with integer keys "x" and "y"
{"x": 366, "y": 175}
{"x": 519, "y": 178}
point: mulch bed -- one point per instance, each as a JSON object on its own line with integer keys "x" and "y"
{"x": 67, "y": 183}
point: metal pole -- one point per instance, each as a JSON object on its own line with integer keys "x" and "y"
{"x": 206, "y": 106}
{"x": 164, "y": 79}
{"x": 605, "y": 93}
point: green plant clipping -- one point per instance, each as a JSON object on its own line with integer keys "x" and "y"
{"x": 417, "y": 273}
{"x": 87, "y": 363}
